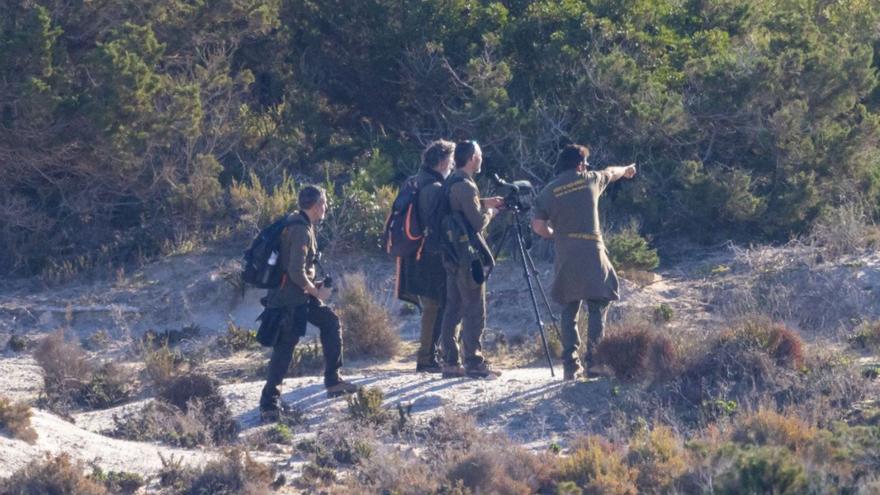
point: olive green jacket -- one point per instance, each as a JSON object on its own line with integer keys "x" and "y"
{"x": 571, "y": 205}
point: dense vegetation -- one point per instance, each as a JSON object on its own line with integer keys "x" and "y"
{"x": 126, "y": 124}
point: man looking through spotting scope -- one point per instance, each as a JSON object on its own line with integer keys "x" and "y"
{"x": 465, "y": 287}
{"x": 422, "y": 278}
{"x": 567, "y": 211}
{"x": 301, "y": 300}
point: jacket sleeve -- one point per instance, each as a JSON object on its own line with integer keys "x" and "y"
{"x": 298, "y": 252}
{"x": 466, "y": 197}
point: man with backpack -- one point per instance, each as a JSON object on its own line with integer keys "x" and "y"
{"x": 567, "y": 211}
{"x": 465, "y": 287}
{"x": 300, "y": 300}
{"x": 421, "y": 277}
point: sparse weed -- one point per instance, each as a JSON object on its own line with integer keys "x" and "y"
{"x": 18, "y": 343}
{"x": 237, "y": 338}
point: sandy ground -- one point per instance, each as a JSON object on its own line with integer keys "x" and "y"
{"x": 527, "y": 403}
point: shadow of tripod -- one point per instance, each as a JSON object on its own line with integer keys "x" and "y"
{"x": 514, "y": 228}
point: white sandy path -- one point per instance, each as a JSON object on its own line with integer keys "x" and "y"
{"x": 58, "y": 436}
{"x": 428, "y": 394}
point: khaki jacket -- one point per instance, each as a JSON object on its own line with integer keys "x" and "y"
{"x": 582, "y": 269}
{"x": 298, "y": 252}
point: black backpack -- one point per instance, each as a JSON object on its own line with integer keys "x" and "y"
{"x": 261, "y": 267}
{"x": 458, "y": 242}
{"x": 404, "y": 235}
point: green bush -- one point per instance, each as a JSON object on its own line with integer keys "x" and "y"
{"x": 768, "y": 469}
{"x": 630, "y": 251}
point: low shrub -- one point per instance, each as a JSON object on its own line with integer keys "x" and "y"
{"x": 765, "y": 469}
{"x": 189, "y": 411}
{"x": 598, "y": 467}
{"x": 70, "y": 379}
{"x": 59, "y": 475}
{"x": 162, "y": 363}
{"x": 498, "y": 466}
{"x": 109, "y": 386}
{"x": 368, "y": 329}
{"x": 198, "y": 391}
{"x": 766, "y": 427}
{"x": 744, "y": 359}
{"x": 65, "y": 369}
{"x": 866, "y": 336}
{"x": 235, "y": 474}
{"x": 366, "y": 406}
{"x": 660, "y": 458}
{"x": 630, "y": 251}
{"x": 118, "y": 482}
{"x": 162, "y": 422}
{"x": 237, "y": 338}
{"x": 15, "y": 420}
{"x": 18, "y": 343}
{"x": 637, "y": 352}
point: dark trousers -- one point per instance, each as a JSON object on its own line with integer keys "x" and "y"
{"x": 465, "y": 303}
{"x": 571, "y": 340}
{"x": 293, "y": 327}
{"x": 432, "y": 321}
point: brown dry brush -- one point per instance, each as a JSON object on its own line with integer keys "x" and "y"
{"x": 15, "y": 420}
{"x": 638, "y": 353}
{"x": 70, "y": 379}
{"x": 368, "y": 328}
{"x": 58, "y": 475}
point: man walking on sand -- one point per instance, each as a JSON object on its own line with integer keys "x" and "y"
{"x": 302, "y": 300}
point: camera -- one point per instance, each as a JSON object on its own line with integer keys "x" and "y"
{"x": 518, "y": 195}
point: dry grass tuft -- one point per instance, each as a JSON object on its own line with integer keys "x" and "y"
{"x": 53, "y": 475}
{"x": 369, "y": 330}
{"x": 15, "y": 419}
{"x": 766, "y": 427}
{"x": 660, "y": 457}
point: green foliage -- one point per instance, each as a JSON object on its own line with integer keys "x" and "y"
{"x": 123, "y": 125}
{"x": 118, "y": 481}
{"x": 763, "y": 470}
{"x": 630, "y": 251}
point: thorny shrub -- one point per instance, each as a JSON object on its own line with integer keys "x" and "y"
{"x": 235, "y": 474}
{"x": 766, "y": 427}
{"x": 598, "y": 467}
{"x": 660, "y": 458}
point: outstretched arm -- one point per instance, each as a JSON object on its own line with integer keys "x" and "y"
{"x": 617, "y": 173}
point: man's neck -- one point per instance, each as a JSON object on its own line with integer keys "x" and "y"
{"x": 309, "y": 215}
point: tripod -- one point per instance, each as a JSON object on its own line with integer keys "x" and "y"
{"x": 529, "y": 273}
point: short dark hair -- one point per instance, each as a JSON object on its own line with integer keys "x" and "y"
{"x": 309, "y": 196}
{"x": 436, "y": 152}
{"x": 464, "y": 151}
{"x": 571, "y": 156}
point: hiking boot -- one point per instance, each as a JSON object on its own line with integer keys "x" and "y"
{"x": 453, "y": 370}
{"x": 572, "y": 373}
{"x": 432, "y": 367}
{"x": 342, "y": 387}
{"x": 482, "y": 370}
{"x": 270, "y": 416}
{"x": 595, "y": 371}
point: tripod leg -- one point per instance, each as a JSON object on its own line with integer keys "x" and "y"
{"x": 522, "y": 252}
{"x": 534, "y": 271}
